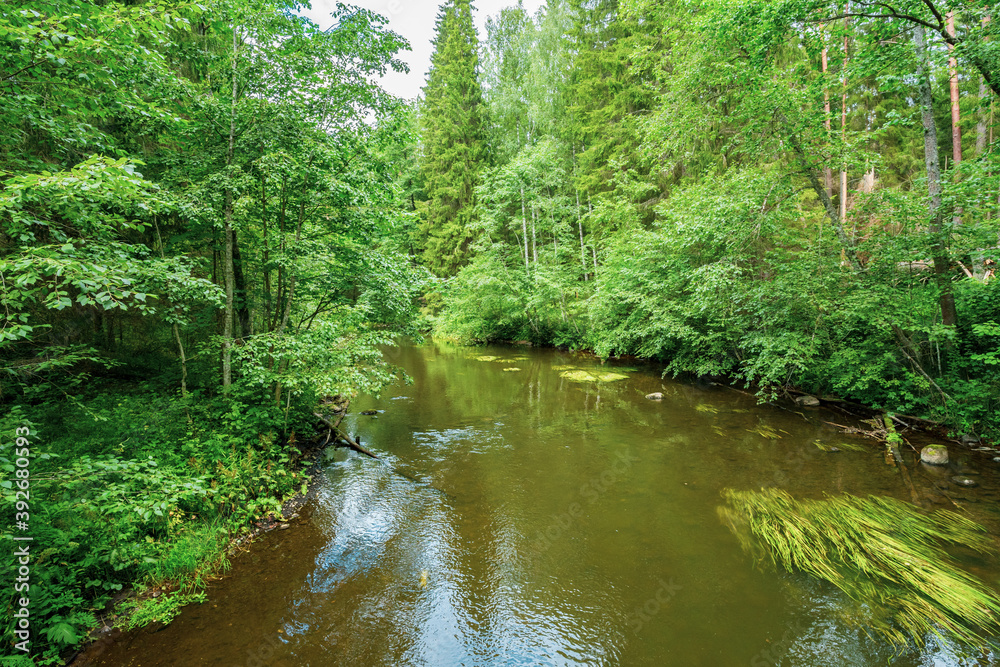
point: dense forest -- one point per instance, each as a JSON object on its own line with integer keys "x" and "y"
{"x": 784, "y": 193}
{"x": 212, "y": 219}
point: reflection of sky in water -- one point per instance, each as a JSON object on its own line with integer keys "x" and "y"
{"x": 454, "y": 620}
{"x": 489, "y": 600}
{"x": 438, "y": 445}
{"x": 496, "y": 459}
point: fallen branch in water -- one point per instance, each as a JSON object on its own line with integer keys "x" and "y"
{"x": 332, "y": 426}
{"x": 346, "y": 438}
{"x": 892, "y": 445}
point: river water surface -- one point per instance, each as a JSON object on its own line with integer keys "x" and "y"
{"x": 522, "y": 518}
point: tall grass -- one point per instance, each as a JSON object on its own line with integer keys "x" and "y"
{"x": 883, "y": 553}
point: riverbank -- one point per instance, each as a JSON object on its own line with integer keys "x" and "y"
{"x": 118, "y": 617}
{"x": 139, "y": 495}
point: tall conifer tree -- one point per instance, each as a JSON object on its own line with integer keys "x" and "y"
{"x": 453, "y": 139}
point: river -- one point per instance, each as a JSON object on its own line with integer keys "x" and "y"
{"x": 519, "y": 517}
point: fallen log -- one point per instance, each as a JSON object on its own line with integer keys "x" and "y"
{"x": 346, "y": 438}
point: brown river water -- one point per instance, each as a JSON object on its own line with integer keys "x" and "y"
{"x": 521, "y": 518}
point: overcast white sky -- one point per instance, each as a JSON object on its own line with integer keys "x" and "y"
{"x": 414, "y": 20}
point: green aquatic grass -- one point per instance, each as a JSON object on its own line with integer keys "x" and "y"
{"x": 883, "y": 553}
{"x": 843, "y": 446}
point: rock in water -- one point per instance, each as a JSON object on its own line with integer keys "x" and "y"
{"x": 964, "y": 481}
{"x": 807, "y": 401}
{"x": 655, "y": 396}
{"x": 935, "y": 455}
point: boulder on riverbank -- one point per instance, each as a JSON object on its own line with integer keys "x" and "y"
{"x": 807, "y": 401}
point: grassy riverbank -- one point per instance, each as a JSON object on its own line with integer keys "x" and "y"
{"x": 136, "y": 489}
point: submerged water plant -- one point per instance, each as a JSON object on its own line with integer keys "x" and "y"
{"x": 882, "y": 553}
{"x": 592, "y": 376}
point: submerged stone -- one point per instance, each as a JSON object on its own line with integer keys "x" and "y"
{"x": 935, "y": 455}
{"x": 655, "y": 396}
{"x": 964, "y": 481}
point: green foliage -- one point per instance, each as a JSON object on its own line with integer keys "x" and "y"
{"x": 675, "y": 164}
{"x": 160, "y": 157}
{"x": 884, "y": 554}
{"x": 140, "y": 495}
{"x": 159, "y": 610}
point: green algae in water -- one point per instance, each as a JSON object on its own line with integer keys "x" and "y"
{"x": 765, "y": 431}
{"x": 884, "y": 554}
{"x": 592, "y": 376}
{"x": 705, "y": 407}
{"x": 485, "y": 357}
{"x": 843, "y": 446}
{"x": 508, "y": 370}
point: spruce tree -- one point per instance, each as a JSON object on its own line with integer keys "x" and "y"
{"x": 452, "y": 131}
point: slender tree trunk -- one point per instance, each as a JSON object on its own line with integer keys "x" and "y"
{"x": 984, "y": 116}
{"x": 956, "y": 112}
{"x": 949, "y": 315}
{"x": 227, "y": 265}
{"x": 597, "y": 285}
{"x": 810, "y": 172}
{"x": 267, "y": 251}
{"x": 242, "y": 300}
{"x": 524, "y": 232}
{"x": 290, "y": 292}
{"x": 981, "y": 128}
{"x": 827, "y": 171}
{"x": 280, "y": 295}
{"x": 579, "y": 219}
{"x": 843, "y": 121}
{"x": 593, "y": 248}
{"x": 175, "y": 327}
{"x": 534, "y": 243}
